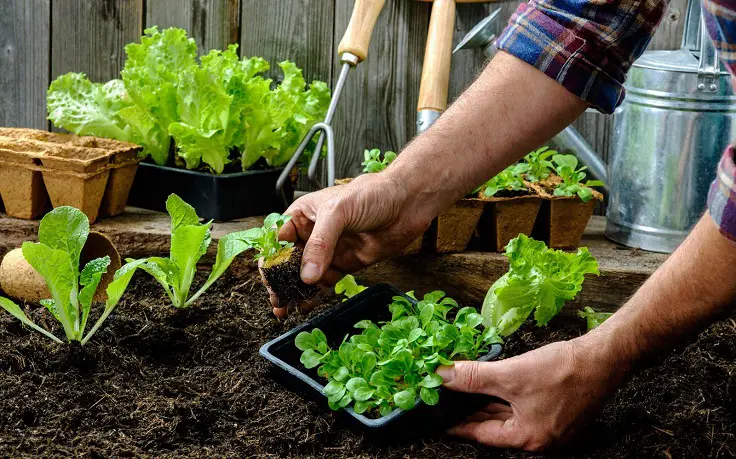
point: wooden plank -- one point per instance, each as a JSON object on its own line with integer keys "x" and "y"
{"x": 213, "y": 24}
{"x": 669, "y": 32}
{"x": 89, "y": 35}
{"x": 24, "y": 60}
{"x": 378, "y": 107}
{"x": 300, "y": 31}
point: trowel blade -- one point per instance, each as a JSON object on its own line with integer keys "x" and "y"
{"x": 480, "y": 35}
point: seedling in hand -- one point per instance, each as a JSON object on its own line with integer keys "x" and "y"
{"x": 572, "y": 178}
{"x": 280, "y": 262}
{"x": 189, "y": 241}
{"x": 373, "y": 161}
{"x": 62, "y": 235}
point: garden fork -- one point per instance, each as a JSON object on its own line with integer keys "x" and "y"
{"x": 353, "y": 49}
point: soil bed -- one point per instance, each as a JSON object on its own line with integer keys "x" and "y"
{"x": 157, "y": 382}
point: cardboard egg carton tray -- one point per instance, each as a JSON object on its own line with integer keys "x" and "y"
{"x": 90, "y": 173}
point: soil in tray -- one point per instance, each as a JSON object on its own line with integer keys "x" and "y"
{"x": 157, "y": 382}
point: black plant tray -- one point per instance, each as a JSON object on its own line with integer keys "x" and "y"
{"x": 215, "y": 197}
{"x": 336, "y": 323}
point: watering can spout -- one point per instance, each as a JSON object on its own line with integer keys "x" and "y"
{"x": 482, "y": 36}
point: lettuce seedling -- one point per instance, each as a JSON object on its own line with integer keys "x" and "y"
{"x": 189, "y": 241}
{"x": 265, "y": 240}
{"x": 509, "y": 179}
{"x": 373, "y": 161}
{"x": 537, "y": 165}
{"x": 62, "y": 235}
{"x": 593, "y": 319}
{"x": 539, "y": 280}
{"x": 392, "y": 365}
{"x": 348, "y": 286}
{"x": 566, "y": 168}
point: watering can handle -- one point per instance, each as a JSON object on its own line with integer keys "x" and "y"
{"x": 357, "y": 37}
{"x": 708, "y": 66}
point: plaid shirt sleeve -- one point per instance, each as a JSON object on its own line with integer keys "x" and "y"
{"x": 720, "y": 19}
{"x": 586, "y": 46}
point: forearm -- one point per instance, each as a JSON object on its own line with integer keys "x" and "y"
{"x": 695, "y": 286}
{"x": 509, "y": 110}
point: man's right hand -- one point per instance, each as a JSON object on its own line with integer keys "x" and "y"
{"x": 348, "y": 227}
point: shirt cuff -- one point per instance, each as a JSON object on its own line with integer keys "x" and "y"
{"x": 572, "y": 48}
{"x": 722, "y": 196}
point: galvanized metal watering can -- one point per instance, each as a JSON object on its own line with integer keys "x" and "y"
{"x": 678, "y": 117}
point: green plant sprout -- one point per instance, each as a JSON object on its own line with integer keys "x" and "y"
{"x": 593, "y": 319}
{"x": 509, "y": 179}
{"x": 537, "y": 165}
{"x": 572, "y": 177}
{"x": 265, "y": 240}
{"x": 392, "y": 365}
{"x": 349, "y": 287}
{"x": 539, "y": 280}
{"x": 373, "y": 161}
{"x": 189, "y": 241}
{"x": 62, "y": 235}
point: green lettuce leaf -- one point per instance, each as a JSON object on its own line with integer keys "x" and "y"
{"x": 539, "y": 280}
{"x": 89, "y": 279}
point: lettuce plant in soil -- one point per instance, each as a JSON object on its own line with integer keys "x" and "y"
{"x": 280, "y": 261}
{"x": 62, "y": 234}
{"x": 392, "y": 364}
{"x": 508, "y": 181}
{"x": 592, "y": 318}
{"x": 217, "y": 111}
{"x": 572, "y": 184}
{"x": 189, "y": 241}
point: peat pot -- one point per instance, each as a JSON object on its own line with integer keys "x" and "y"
{"x": 218, "y": 197}
{"x": 370, "y": 304}
{"x": 669, "y": 134}
{"x": 505, "y": 218}
{"x": 456, "y": 225}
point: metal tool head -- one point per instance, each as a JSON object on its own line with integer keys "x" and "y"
{"x": 481, "y": 35}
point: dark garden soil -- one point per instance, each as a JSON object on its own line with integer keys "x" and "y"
{"x": 157, "y": 382}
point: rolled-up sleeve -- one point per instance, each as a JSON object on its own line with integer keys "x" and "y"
{"x": 722, "y": 196}
{"x": 586, "y": 46}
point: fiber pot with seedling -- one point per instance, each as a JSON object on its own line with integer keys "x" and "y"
{"x": 374, "y": 357}
{"x": 512, "y": 207}
{"x": 568, "y": 203}
{"x": 280, "y": 262}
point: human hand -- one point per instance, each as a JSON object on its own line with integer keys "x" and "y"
{"x": 348, "y": 227}
{"x": 550, "y": 391}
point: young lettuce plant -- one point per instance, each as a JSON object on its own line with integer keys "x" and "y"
{"x": 348, "y": 286}
{"x": 390, "y": 366}
{"x": 509, "y": 179}
{"x": 539, "y": 280}
{"x": 538, "y": 166}
{"x": 373, "y": 161}
{"x": 572, "y": 178}
{"x": 62, "y": 235}
{"x": 189, "y": 241}
{"x": 593, "y": 319}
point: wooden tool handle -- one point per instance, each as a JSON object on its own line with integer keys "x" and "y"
{"x": 436, "y": 71}
{"x": 358, "y": 36}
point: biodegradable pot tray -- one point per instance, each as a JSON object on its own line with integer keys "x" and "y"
{"x": 506, "y": 218}
{"x": 370, "y": 304}
{"x": 218, "y": 197}
{"x": 563, "y": 221}
{"x": 456, "y": 225}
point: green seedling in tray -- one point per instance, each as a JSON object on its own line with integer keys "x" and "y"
{"x": 537, "y": 165}
{"x": 572, "y": 178}
{"x": 509, "y": 179}
{"x": 373, "y": 161}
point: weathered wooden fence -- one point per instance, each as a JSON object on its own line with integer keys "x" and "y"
{"x": 41, "y": 39}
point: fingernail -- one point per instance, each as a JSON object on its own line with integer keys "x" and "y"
{"x": 446, "y": 372}
{"x": 310, "y": 272}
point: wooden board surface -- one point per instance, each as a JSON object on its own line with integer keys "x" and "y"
{"x": 213, "y": 24}
{"x": 24, "y": 62}
{"x": 465, "y": 276}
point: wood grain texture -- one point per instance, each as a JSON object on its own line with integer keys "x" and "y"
{"x": 357, "y": 36}
{"x": 669, "y": 32}
{"x": 213, "y": 24}
{"x": 89, "y": 36}
{"x": 378, "y": 107}
{"x": 24, "y": 62}
{"x": 435, "y": 83}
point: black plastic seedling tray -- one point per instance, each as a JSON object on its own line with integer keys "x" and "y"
{"x": 338, "y": 322}
{"x": 215, "y": 197}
